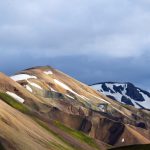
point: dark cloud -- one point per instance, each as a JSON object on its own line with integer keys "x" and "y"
{"x": 98, "y": 40}
{"x": 90, "y": 69}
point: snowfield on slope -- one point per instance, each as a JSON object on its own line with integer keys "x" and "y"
{"x": 20, "y": 77}
{"x": 16, "y": 97}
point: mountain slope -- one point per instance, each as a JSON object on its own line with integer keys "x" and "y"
{"x": 70, "y": 112}
{"x": 78, "y": 106}
{"x": 126, "y": 93}
{"x": 34, "y": 131}
{"x": 18, "y": 131}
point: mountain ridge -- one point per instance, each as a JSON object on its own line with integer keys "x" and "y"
{"x": 66, "y": 113}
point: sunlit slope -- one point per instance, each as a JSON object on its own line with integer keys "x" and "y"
{"x": 18, "y": 131}
{"x": 78, "y": 106}
{"x": 69, "y": 111}
{"x": 24, "y": 127}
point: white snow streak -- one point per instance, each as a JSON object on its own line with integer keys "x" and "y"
{"x": 53, "y": 90}
{"x": 64, "y": 86}
{"x": 70, "y": 96}
{"x": 16, "y": 97}
{"x": 28, "y": 88}
{"x": 35, "y": 85}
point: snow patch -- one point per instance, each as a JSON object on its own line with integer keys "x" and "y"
{"x": 16, "y": 97}
{"x": 145, "y": 103}
{"x": 110, "y": 86}
{"x": 70, "y": 96}
{"x": 102, "y": 107}
{"x": 35, "y": 85}
{"x": 64, "y": 86}
{"x": 53, "y": 90}
{"x": 97, "y": 87}
{"x": 28, "y": 88}
{"x": 48, "y": 72}
{"x": 123, "y": 140}
{"x": 20, "y": 77}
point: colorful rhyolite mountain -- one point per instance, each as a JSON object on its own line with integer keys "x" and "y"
{"x": 42, "y": 108}
{"x": 125, "y": 93}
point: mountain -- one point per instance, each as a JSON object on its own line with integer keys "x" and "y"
{"x": 125, "y": 93}
{"x": 43, "y": 108}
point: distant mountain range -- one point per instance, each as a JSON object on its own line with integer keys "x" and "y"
{"x": 126, "y": 93}
{"x": 43, "y": 108}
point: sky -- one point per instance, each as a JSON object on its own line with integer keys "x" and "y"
{"x": 91, "y": 40}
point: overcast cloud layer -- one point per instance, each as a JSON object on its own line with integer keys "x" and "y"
{"x": 94, "y": 41}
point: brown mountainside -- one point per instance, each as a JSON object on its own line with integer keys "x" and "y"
{"x": 48, "y": 109}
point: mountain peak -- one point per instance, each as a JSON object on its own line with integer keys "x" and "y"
{"x": 40, "y": 67}
{"x": 125, "y": 92}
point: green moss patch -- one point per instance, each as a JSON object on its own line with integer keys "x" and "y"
{"x": 77, "y": 134}
{"x": 15, "y": 104}
{"x": 45, "y": 126}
